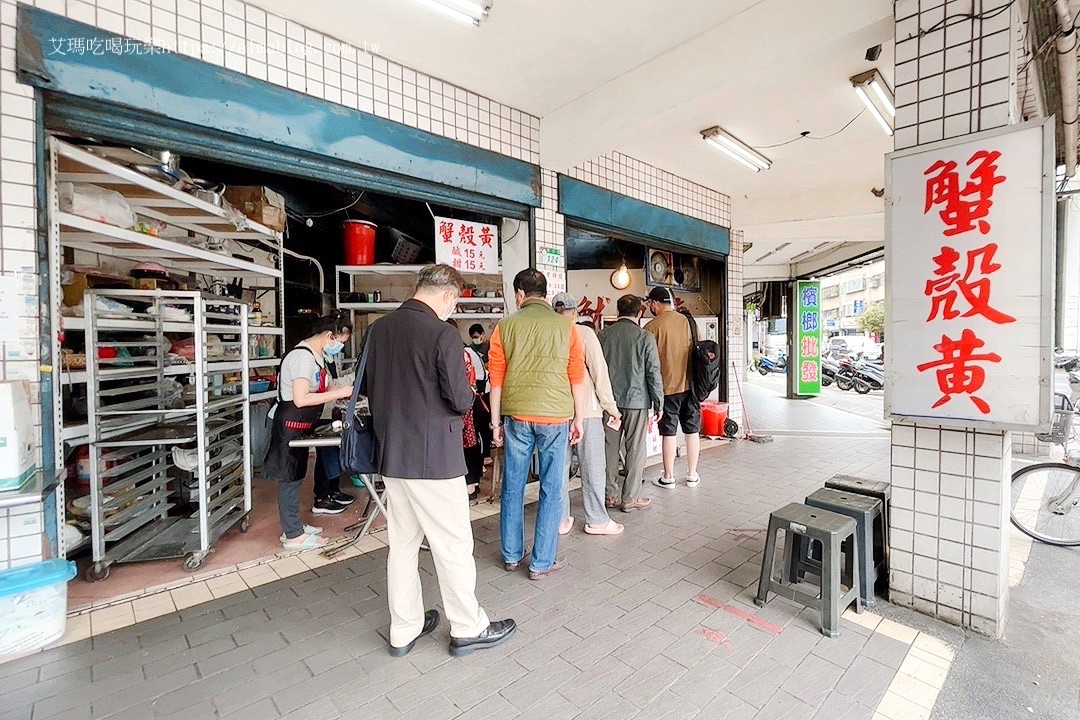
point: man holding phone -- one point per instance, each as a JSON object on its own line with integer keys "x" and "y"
{"x": 634, "y": 370}
{"x": 599, "y": 402}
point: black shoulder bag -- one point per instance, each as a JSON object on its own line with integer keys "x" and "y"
{"x": 359, "y": 448}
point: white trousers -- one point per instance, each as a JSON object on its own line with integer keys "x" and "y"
{"x": 438, "y": 509}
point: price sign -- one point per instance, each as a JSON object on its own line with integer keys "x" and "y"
{"x": 467, "y": 246}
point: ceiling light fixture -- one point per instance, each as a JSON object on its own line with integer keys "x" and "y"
{"x": 877, "y": 96}
{"x": 469, "y": 12}
{"x": 736, "y": 149}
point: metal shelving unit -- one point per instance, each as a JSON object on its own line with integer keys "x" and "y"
{"x": 188, "y": 245}
{"x": 137, "y": 419}
{"x": 345, "y": 277}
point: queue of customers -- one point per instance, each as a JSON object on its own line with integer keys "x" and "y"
{"x": 541, "y": 387}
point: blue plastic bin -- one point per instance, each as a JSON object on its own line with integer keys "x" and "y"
{"x": 33, "y": 606}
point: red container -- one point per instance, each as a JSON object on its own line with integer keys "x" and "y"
{"x": 713, "y": 417}
{"x": 359, "y": 242}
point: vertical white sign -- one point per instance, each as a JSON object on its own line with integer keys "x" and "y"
{"x": 467, "y": 246}
{"x": 969, "y": 258}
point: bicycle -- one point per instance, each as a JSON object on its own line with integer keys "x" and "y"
{"x": 1046, "y": 496}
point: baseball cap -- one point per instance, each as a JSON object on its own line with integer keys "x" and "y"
{"x": 661, "y": 295}
{"x": 564, "y": 301}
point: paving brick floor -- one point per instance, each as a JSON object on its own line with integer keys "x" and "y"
{"x": 656, "y": 623}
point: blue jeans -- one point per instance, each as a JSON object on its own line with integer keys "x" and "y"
{"x": 551, "y": 442}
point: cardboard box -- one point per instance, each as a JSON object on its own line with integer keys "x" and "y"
{"x": 260, "y": 204}
{"x": 17, "y": 456}
{"x": 80, "y": 280}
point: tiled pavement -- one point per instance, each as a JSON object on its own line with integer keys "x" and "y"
{"x": 656, "y": 623}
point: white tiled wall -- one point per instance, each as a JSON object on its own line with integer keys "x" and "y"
{"x": 950, "y": 517}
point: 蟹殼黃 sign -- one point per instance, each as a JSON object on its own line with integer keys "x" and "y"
{"x": 970, "y": 263}
{"x": 467, "y": 246}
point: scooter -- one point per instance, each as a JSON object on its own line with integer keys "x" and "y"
{"x": 829, "y": 368}
{"x": 868, "y": 377}
{"x": 845, "y": 376}
{"x": 767, "y": 365}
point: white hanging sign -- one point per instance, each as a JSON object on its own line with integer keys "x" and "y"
{"x": 467, "y": 246}
{"x": 969, "y": 260}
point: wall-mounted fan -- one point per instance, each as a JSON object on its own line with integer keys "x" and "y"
{"x": 668, "y": 269}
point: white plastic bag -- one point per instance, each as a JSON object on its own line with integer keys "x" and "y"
{"x": 95, "y": 203}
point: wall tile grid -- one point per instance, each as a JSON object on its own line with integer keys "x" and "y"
{"x": 958, "y": 79}
{"x": 20, "y": 535}
{"x": 628, "y": 176}
{"x": 950, "y": 517}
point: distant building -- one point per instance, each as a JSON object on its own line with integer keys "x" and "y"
{"x": 847, "y": 295}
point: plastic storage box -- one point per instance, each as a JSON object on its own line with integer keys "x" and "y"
{"x": 33, "y": 606}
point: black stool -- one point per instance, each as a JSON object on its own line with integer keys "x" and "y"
{"x": 833, "y": 531}
{"x": 882, "y": 491}
{"x": 866, "y": 512}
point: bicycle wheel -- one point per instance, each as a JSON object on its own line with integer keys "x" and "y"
{"x": 1046, "y": 502}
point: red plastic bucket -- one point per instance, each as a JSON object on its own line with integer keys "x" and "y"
{"x": 359, "y": 242}
{"x": 713, "y": 417}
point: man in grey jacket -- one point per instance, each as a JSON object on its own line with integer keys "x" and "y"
{"x": 634, "y": 369}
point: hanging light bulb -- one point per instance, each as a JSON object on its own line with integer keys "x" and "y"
{"x": 620, "y": 279}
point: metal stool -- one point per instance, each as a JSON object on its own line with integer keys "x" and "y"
{"x": 833, "y": 531}
{"x": 866, "y": 512}
{"x": 882, "y": 491}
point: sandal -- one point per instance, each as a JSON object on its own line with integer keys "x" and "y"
{"x": 309, "y": 529}
{"x": 611, "y": 528}
{"x": 307, "y": 541}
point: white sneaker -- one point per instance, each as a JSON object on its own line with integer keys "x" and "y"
{"x": 693, "y": 480}
{"x": 666, "y": 483}
{"x": 309, "y": 529}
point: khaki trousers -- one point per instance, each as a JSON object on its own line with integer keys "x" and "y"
{"x": 438, "y": 509}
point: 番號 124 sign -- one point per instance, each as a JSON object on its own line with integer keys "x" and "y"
{"x": 807, "y": 364}
{"x": 467, "y": 246}
{"x": 969, "y": 260}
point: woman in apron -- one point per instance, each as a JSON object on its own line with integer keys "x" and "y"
{"x": 304, "y": 386}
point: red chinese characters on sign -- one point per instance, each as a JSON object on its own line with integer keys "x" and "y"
{"x": 945, "y": 289}
{"x": 809, "y": 369}
{"x": 486, "y": 237}
{"x": 468, "y": 237}
{"x": 585, "y": 308}
{"x": 964, "y": 208}
{"x": 810, "y": 347}
{"x": 958, "y": 373}
{"x": 446, "y": 232}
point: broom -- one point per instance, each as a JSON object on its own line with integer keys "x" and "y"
{"x": 748, "y": 434}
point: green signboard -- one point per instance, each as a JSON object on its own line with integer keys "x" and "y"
{"x": 808, "y": 338}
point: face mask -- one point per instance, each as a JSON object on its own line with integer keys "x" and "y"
{"x": 478, "y": 341}
{"x": 334, "y": 348}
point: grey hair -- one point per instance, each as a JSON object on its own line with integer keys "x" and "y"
{"x": 439, "y": 277}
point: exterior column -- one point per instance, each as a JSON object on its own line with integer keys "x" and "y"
{"x": 950, "y": 516}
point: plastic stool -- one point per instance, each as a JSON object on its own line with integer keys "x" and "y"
{"x": 882, "y": 491}
{"x": 833, "y": 531}
{"x": 866, "y": 512}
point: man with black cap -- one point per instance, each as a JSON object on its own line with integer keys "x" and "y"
{"x": 674, "y": 342}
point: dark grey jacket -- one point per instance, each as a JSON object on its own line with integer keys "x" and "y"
{"x": 634, "y": 366}
{"x": 418, "y": 391}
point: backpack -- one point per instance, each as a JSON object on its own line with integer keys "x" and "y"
{"x": 704, "y": 365}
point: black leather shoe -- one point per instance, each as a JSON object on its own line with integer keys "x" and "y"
{"x": 431, "y": 621}
{"x": 496, "y": 633}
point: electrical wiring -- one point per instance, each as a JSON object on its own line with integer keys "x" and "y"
{"x": 986, "y": 15}
{"x": 306, "y": 216}
{"x": 808, "y": 136}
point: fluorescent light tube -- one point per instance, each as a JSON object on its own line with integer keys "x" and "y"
{"x": 733, "y": 155}
{"x": 874, "y": 110}
{"x": 470, "y": 13}
{"x": 886, "y": 98}
{"x": 736, "y": 149}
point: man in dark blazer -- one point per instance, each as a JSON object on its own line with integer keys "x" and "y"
{"x": 417, "y": 391}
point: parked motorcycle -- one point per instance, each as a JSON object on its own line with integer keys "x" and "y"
{"x": 845, "y": 376}
{"x": 868, "y": 376}
{"x": 766, "y": 365}
{"x": 829, "y": 368}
